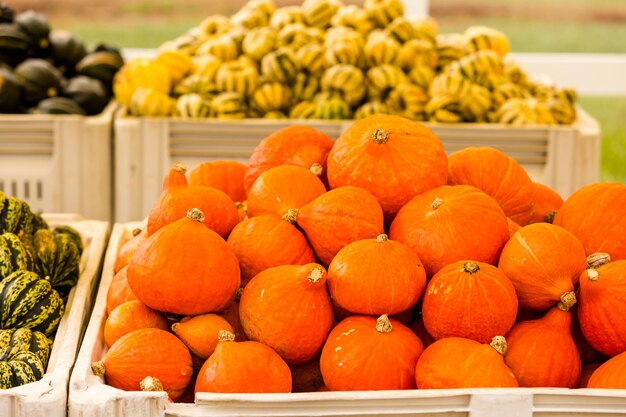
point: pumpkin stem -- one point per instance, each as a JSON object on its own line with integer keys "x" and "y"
{"x": 435, "y": 205}
{"x": 98, "y": 368}
{"x": 180, "y": 168}
{"x": 196, "y": 215}
{"x": 238, "y": 294}
{"x": 380, "y": 136}
{"x": 175, "y": 327}
{"x": 317, "y": 169}
{"x": 383, "y": 325}
{"x": 549, "y": 218}
{"x": 499, "y": 344}
{"x": 382, "y": 238}
{"x": 471, "y": 267}
{"x": 136, "y": 231}
{"x": 316, "y": 274}
{"x": 567, "y": 301}
{"x": 598, "y": 259}
{"x": 225, "y": 336}
{"x": 151, "y": 383}
{"x": 592, "y": 274}
{"x": 291, "y": 216}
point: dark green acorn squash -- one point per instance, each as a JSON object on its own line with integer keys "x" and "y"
{"x": 102, "y": 66}
{"x": 20, "y": 369}
{"x": 39, "y": 79}
{"x": 36, "y": 27}
{"x": 14, "y": 44}
{"x": 13, "y": 255}
{"x": 20, "y": 340}
{"x": 28, "y": 301}
{"x": 89, "y": 93}
{"x": 59, "y": 105}
{"x": 57, "y": 258}
{"x": 15, "y": 216}
{"x": 7, "y": 14}
{"x": 10, "y": 92}
{"x": 72, "y": 233}
{"x": 67, "y": 51}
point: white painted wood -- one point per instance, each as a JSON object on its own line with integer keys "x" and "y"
{"x": 416, "y": 8}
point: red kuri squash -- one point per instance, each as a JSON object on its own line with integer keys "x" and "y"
{"x": 132, "y": 315}
{"x": 128, "y": 249}
{"x": 611, "y": 374}
{"x": 547, "y": 203}
{"x": 199, "y": 333}
{"x": 119, "y": 290}
{"x": 226, "y": 176}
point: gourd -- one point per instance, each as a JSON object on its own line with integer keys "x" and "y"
{"x": 610, "y": 375}
{"x": 57, "y": 258}
{"x": 119, "y": 291}
{"x": 59, "y": 105}
{"x": 39, "y": 79}
{"x": 88, "y": 93}
{"x": 226, "y": 176}
{"x": 199, "y": 333}
{"x": 13, "y": 255}
{"x": 23, "y": 356}
{"x": 128, "y": 248}
{"x": 547, "y": 203}
{"x": 132, "y": 315}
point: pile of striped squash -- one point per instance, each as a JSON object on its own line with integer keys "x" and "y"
{"x": 324, "y": 60}
{"x": 374, "y": 262}
{"x": 38, "y": 268}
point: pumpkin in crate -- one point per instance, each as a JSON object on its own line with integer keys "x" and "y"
{"x": 266, "y": 241}
{"x": 147, "y": 352}
{"x": 468, "y": 299}
{"x": 31, "y": 302}
{"x": 496, "y": 174}
{"x": 130, "y": 316}
{"x": 513, "y": 227}
{"x": 544, "y": 262}
{"x": 128, "y": 248}
{"x": 289, "y": 309}
{"x": 294, "y": 145}
{"x": 610, "y": 375}
{"x": 231, "y": 315}
{"x": 13, "y": 255}
{"x": 542, "y": 353}
{"x": 184, "y": 268}
{"x": 119, "y": 291}
{"x": 596, "y": 215}
{"x": 39, "y": 79}
{"x": 376, "y": 276}
{"x": 226, "y": 176}
{"x": 365, "y": 353}
{"x": 455, "y": 362}
{"x": 450, "y": 224}
{"x": 547, "y": 203}
{"x": 57, "y": 258}
{"x": 243, "y": 367}
{"x": 178, "y": 197}
{"x": 410, "y": 155}
{"x": 199, "y": 333}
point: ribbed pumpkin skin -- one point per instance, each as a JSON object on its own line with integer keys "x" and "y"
{"x": 358, "y": 357}
{"x": 376, "y": 276}
{"x": 542, "y": 353}
{"x": 177, "y": 197}
{"x": 282, "y": 188}
{"x": 543, "y": 261}
{"x": 184, "y": 268}
{"x": 132, "y": 315}
{"x": 455, "y": 362}
{"x": 410, "y": 161}
{"x": 119, "y": 290}
{"x": 244, "y": 367}
{"x": 467, "y": 225}
{"x": 127, "y": 250}
{"x": 599, "y": 230}
{"x": 283, "y": 308}
{"x": 266, "y": 241}
{"x": 611, "y": 374}
{"x": 473, "y": 300}
{"x": 339, "y": 217}
{"x": 601, "y": 308}
{"x": 547, "y": 203}
{"x": 226, "y": 176}
{"x": 199, "y": 333}
{"x": 148, "y": 352}
{"x": 496, "y": 174}
{"x": 294, "y": 145}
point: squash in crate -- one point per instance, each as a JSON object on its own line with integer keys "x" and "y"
{"x": 14, "y": 256}
{"x": 39, "y": 79}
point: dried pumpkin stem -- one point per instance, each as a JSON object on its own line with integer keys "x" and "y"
{"x": 593, "y": 275}
{"x": 317, "y": 169}
{"x": 380, "y": 136}
{"x": 136, "y": 231}
{"x": 238, "y": 294}
{"x": 598, "y": 259}
{"x": 382, "y": 238}
{"x": 567, "y": 301}
{"x": 499, "y": 344}
{"x": 291, "y": 216}
{"x": 196, "y": 215}
{"x": 98, "y": 368}
{"x": 316, "y": 274}
{"x": 180, "y": 168}
{"x": 549, "y": 218}
{"x": 383, "y": 325}
{"x": 150, "y": 383}
{"x": 471, "y": 267}
{"x": 225, "y": 336}
{"x": 435, "y": 205}
{"x": 175, "y": 327}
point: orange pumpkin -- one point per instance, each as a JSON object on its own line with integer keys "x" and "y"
{"x": 596, "y": 215}
{"x": 147, "y": 352}
{"x": 231, "y": 315}
{"x": 185, "y": 268}
{"x": 473, "y": 300}
{"x": 306, "y": 377}
{"x": 375, "y": 276}
{"x": 265, "y": 241}
{"x": 130, "y": 316}
{"x": 226, "y": 176}
{"x": 338, "y": 217}
{"x": 128, "y": 249}
{"x": 450, "y": 224}
{"x": 303, "y": 146}
{"x": 365, "y": 353}
{"x": 602, "y": 297}
{"x": 496, "y": 174}
{"x": 177, "y": 197}
{"x": 455, "y": 362}
{"x": 288, "y": 308}
{"x": 199, "y": 333}
{"x": 242, "y": 210}
{"x": 547, "y": 203}
{"x": 243, "y": 367}
{"x": 119, "y": 290}
{"x": 282, "y": 188}
{"x": 542, "y": 353}
{"x": 543, "y": 261}
{"x": 611, "y": 374}
{"x": 513, "y": 227}
{"x": 392, "y": 157}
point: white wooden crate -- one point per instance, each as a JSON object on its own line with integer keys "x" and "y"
{"x": 58, "y": 163}
{"x": 89, "y": 396}
{"x": 48, "y": 396}
{"x": 562, "y": 157}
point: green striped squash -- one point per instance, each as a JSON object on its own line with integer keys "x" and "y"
{"x": 239, "y": 77}
{"x": 422, "y": 76}
{"x": 409, "y": 101}
{"x": 23, "y": 339}
{"x": 506, "y": 92}
{"x": 303, "y": 110}
{"x": 305, "y": 87}
{"x": 248, "y": 17}
{"x": 271, "y": 96}
{"x": 343, "y": 78}
{"x": 206, "y": 66}
{"x": 353, "y": 17}
{"x": 450, "y": 48}
{"x": 16, "y": 217}
{"x": 259, "y": 42}
{"x": 295, "y": 36}
{"x": 224, "y": 47}
{"x": 215, "y": 25}
{"x": 193, "y": 106}
{"x": 310, "y": 59}
{"x": 481, "y": 38}
{"x": 72, "y": 233}
{"x": 381, "y": 48}
{"x": 371, "y": 108}
{"x": 229, "y": 106}
{"x": 275, "y": 115}
{"x": 426, "y": 29}
{"x": 401, "y": 29}
{"x": 444, "y": 109}
{"x": 478, "y": 66}
{"x": 332, "y": 107}
{"x": 344, "y": 46}
{"x": 382, "y": 79}
{"x": 29, "y": 301}
{"x": 280, "y": 66}
{"x": 197, "y": 84}
{"x": 57, "y": 259}
{"x": 13, "y": 255}
{"x": 416, "y": 53}
{"x": 383, "y": 12}
{"x": 20, "y": 369}
{"x": 286, "y": 15}
{"x": 149, "y": 102}
{"x": 319, "y": 13}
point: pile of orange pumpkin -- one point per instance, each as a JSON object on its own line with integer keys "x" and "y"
{"x": 373, "y": 262}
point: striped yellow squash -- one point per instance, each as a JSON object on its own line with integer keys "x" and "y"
{"x": 271, "y": 96}
{"x": 280, "y": 66}
{"x": 383, "y": 12}
{"x": 237, "y": 76}
{"x": 193, "y": 106}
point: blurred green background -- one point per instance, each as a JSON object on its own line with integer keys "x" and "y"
{"x": 586, "y": 26}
